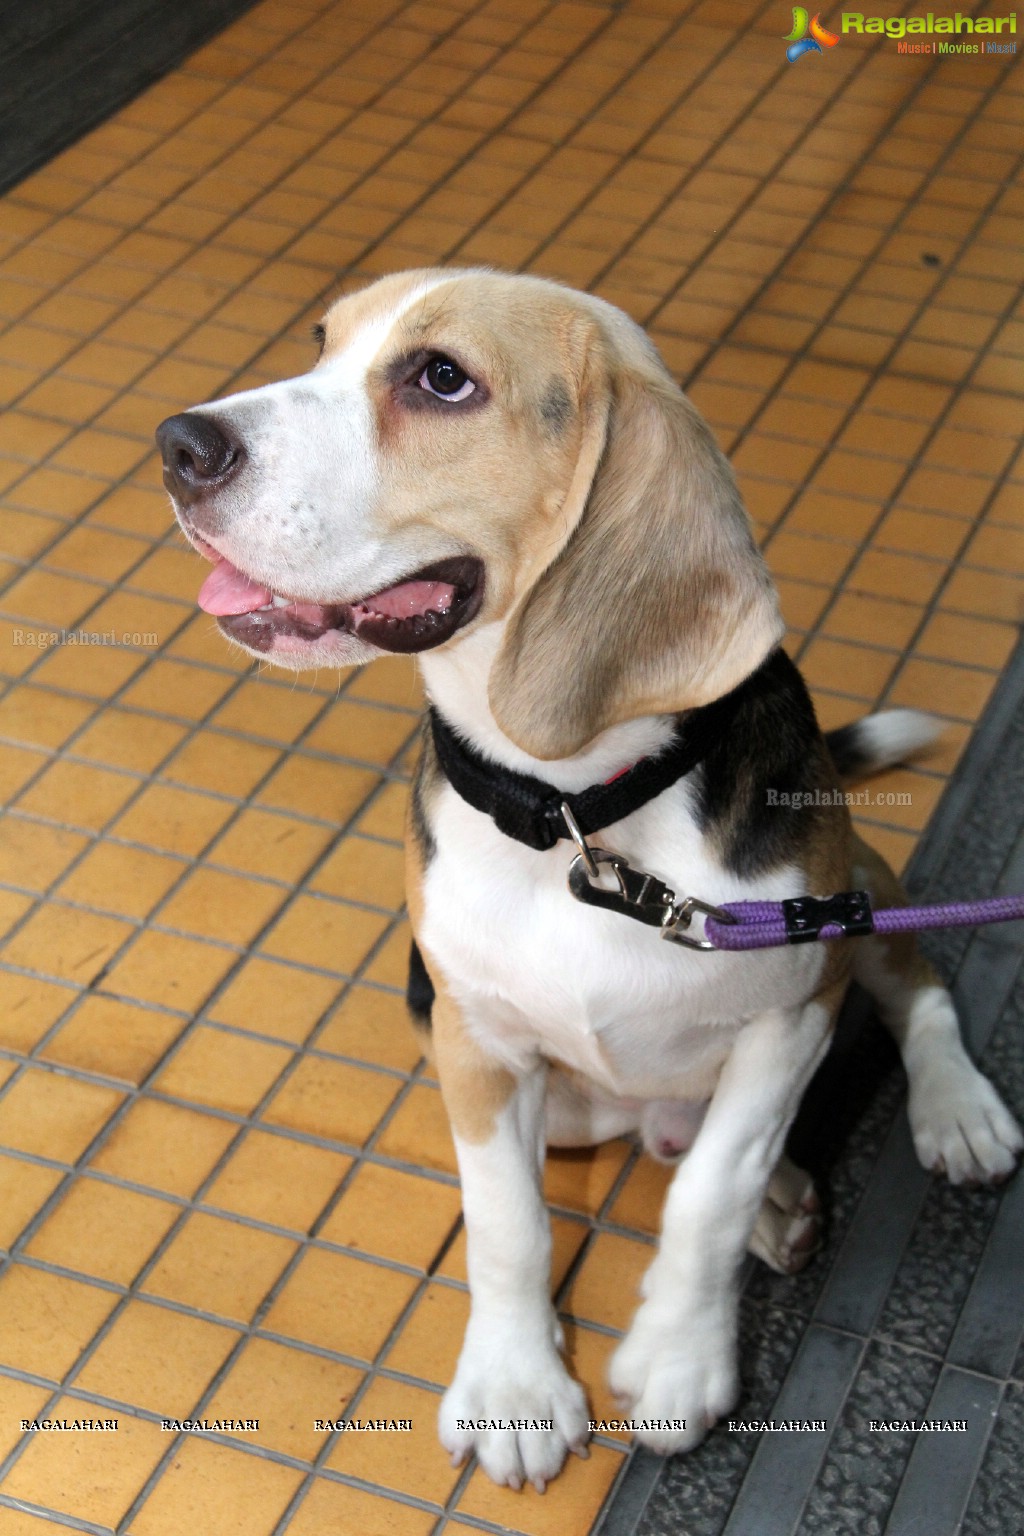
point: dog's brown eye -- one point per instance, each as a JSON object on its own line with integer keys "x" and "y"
{"x": 444, "y": 378}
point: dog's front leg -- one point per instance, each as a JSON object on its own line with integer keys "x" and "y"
{"x": 676, "y": 1368}
{"x": 512, "y": 1400}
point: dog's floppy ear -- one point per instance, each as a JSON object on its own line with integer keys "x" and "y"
{"x": 658, "y": 602}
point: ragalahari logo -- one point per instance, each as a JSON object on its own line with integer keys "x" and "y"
{"x": 800, "y": 42}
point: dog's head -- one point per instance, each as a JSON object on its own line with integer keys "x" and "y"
{"x": 472, "y": 449}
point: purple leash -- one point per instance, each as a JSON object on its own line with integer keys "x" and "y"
{"x": 739, "y": 925}
{"x": 764, "y": 924}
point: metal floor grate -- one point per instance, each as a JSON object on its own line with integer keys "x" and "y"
{"x": 915, "y": 1308}
{"x": 68, "y": 64}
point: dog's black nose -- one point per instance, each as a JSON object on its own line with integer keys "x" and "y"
{"x": 198, "y": 455}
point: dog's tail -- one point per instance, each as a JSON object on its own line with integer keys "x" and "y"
{"x": 881, "y": 741}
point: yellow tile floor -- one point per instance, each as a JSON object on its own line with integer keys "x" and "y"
{"x": 228, "y": 1188}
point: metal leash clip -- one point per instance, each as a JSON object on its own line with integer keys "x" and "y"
{"x": 638, "y": 894}
{"x": 682, "y": 915}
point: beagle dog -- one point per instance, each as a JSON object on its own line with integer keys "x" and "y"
{"x": 499, "y": 475}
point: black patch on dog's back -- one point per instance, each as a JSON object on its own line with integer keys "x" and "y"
{"x": 773, "y": 745}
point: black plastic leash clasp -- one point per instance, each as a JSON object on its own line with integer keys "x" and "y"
{"x": 806, "y": 916}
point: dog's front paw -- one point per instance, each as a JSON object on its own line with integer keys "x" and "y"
{"x": 675, "y": 1377}
{"x": 960, "y": 1125}
{"x": 515, "y": 1405}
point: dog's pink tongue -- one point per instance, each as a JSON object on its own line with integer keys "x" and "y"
{"x": 226, "y": 591}
{"x": 411, "y": 597}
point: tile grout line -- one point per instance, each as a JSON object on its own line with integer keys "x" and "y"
{"x": 314, "y": 20}
{"x": 84, "y": 1357}
{"x": 132, "y": 1291}
{"x": 115, "y": 1119}
{"x": 130, "y": 939}
{"x": 125, "y": 480}
{"x": 160, "y": 276}
{"x": 443, "y": 1519}
{"x": 195, "y": 728}
{"x": 359, "y": 179}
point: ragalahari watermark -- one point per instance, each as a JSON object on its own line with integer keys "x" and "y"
{"x": 43, "y": 639}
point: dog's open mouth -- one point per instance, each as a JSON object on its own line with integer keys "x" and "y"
{"x": 422, "y": 611}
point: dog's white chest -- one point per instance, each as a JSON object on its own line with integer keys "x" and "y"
{"x": 534, "y": 970}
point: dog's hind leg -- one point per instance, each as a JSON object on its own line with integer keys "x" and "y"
{"x": 579, "y": 1114}
{"x": 576, "y": 1114}
{"x": 788, "y": 1229}
{"x": 959, "y": 1123}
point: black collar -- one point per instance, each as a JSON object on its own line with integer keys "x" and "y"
{"x": 529, "y": 810}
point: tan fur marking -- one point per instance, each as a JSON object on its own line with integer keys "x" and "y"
{"x": 414, "y": 870}
{"x": 827, "y": 856}
{"x": 825, "y": 862}
{"x": 629, "y": 509}
{"x": 475, "y": 1089}
{"x": 832, "y": 990}
{"x": 660, "y": 600}
{"x": 348, "y": 316}
{"x": 413, "y": 874}
{"x": 902, "y": 953}
{"x": 486, "y": 478}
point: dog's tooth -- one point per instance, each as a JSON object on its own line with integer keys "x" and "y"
{"x": 280, "y": 602}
